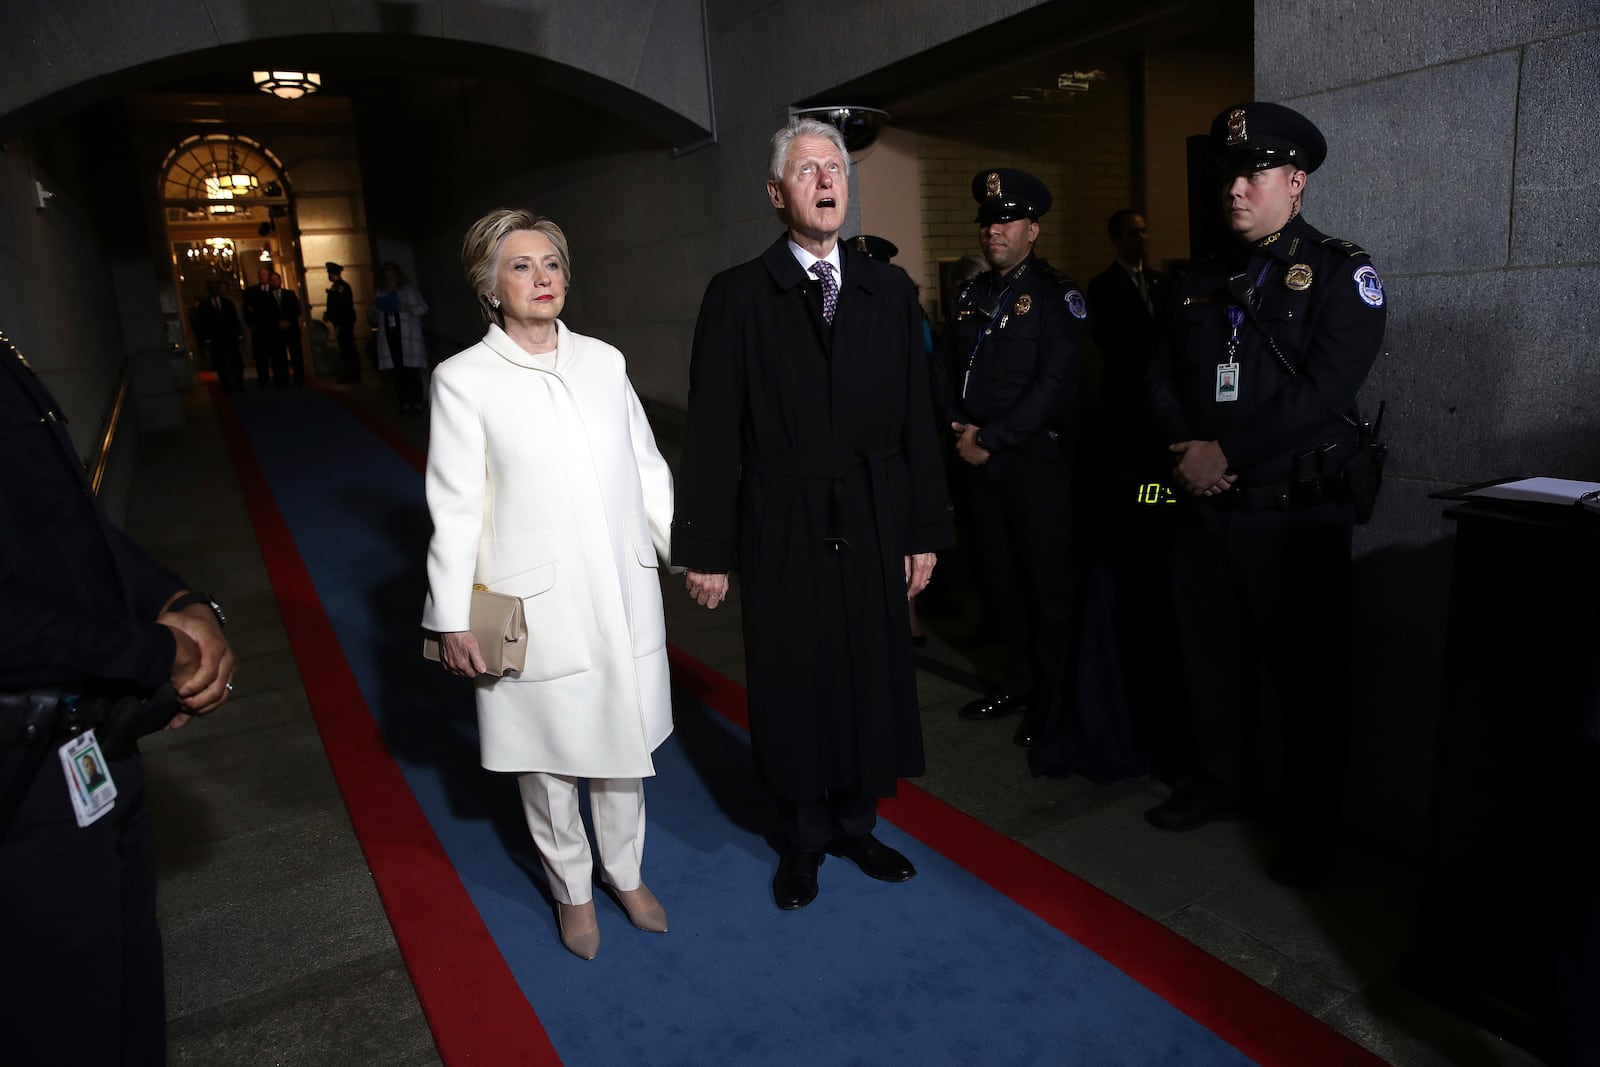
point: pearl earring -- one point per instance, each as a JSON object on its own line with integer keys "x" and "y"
{"x": 494, "y": 301}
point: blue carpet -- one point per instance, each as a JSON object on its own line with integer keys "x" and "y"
{"x": 939, "y": 970}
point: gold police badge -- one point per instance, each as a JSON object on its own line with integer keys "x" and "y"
{"x": 1299, "y": 277}
{"x": 1023, "y": 305}
{"x": 861, "y": 243}
{"x": 1236, "y": 130}
{"x": 991, "y": 184}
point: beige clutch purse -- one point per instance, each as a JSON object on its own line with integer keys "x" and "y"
{"x": 497, "y": 621}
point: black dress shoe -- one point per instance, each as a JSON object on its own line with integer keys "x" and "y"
{"x": 876, "y": 859}
{"x": 1027, "y": 732}
{"x": 1191, "y": 806}
{"x": 993, "y": 706}
{"x": 795, "y": 884}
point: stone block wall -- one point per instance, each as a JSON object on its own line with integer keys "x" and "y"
{"x": 1462, "y": 154}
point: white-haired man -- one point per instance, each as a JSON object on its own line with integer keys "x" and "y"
{"x": 811, "y": 466}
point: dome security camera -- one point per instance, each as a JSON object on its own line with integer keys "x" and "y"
{"x": 859, "y": 125}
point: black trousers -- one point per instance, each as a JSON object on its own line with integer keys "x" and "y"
{"x": 1026, "y": 563}
{"x": 837, "y": 817}
{"x": 80, "y": 954}
{"x": 227, "y": 361}
{"x": 408, "y": 386}
{"x": 1262, "y": 610}
{"x": 288, "y": 363}
{"x": 264, "y": 346}
{"x": 349, "y": 356}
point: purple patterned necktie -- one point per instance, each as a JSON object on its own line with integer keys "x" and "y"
{"x": 830, "y": 289}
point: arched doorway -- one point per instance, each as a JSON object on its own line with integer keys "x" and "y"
{"x": 229, "y": 215}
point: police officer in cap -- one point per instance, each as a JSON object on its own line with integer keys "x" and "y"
{"x": 879, "y": 248}
{"x": 1003, "y": 384}
{"x": 340, "y": 313}
{"x": 1255, "y": 390}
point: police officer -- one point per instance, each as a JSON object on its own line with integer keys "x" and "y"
{"x": 92, "y": 635}
{"x": 879, "y": 248}
{"x": 1005, "y": 379}
{"x": 340, "y": 313}
{"x": 1255, "y": 390}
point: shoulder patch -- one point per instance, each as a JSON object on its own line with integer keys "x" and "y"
{"x": 1047, "y": 271}
{"x": 1368, "y": 286}
{"x": 1344, "y": 247}
{"x": 1076, "y": 305}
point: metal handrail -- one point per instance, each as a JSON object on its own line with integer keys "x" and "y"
{"x": 102, "y": 458}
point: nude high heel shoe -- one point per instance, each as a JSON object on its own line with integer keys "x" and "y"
{"x": 585, "y": 945}
{"x": 644, "y": 910}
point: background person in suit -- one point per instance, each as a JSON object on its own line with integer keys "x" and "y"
{"x": 516, "y": 419}
{"x": 261, "y": 317}
{"x": 288, "y": 361}
{"x": 216, "y": 327}
{"x": 1125, "y": 301}
{"x": 811, "y": 463}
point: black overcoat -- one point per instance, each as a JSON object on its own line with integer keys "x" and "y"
{"x": 811, "y": 466}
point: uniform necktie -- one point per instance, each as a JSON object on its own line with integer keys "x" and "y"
{"x": 830, "y": 289}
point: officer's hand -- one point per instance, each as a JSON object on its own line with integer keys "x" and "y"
{"x": 185, "y": 658}
{"x": 967, "y": 446}
{"x": 708, "y": 590}
{"x": 206, "y": 689}
{"x": 460, "y": 654}
{"x": 919, "y": 569}
{"x": 1202, "y": 468}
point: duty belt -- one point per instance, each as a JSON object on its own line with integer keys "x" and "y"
{"x": 1286, "y": 496}
{"x": 49, "y": 714}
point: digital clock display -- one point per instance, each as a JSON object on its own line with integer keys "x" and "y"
{"x": 1155, "y": 493}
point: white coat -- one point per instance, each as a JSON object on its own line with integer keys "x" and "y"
{"x": 547, "y": 484}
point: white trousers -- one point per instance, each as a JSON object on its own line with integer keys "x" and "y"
{"x": 550, "y": 804}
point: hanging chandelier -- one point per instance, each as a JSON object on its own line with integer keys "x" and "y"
{"x": 216, "y": 253}
{"x": 222, "y": 188}
{"x": 286, "y": 84}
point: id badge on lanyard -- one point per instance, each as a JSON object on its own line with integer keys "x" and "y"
{"x": 1227, "y": 386}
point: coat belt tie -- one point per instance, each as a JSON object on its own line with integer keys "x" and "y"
{"x": 837, "y": 468}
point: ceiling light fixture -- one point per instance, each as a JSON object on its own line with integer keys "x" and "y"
{"x": 286, "y": 84}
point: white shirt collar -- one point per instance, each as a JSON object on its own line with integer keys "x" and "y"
{"x": 805, "y": 259}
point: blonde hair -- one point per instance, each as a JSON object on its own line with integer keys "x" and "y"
{"x": 480, "y": 252}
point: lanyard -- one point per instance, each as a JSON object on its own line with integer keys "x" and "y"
{"x": 972, "y": 357}
{"x": 1236, "y": 313}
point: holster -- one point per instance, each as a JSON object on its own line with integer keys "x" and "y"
{"x": 1363, "y": 474}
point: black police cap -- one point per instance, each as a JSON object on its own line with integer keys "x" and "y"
{"x": 1004, "y": 195}
{"x": 1257, "y": 135}
{"x": 879, "y": 248}
{"x": 334, "y": 268}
